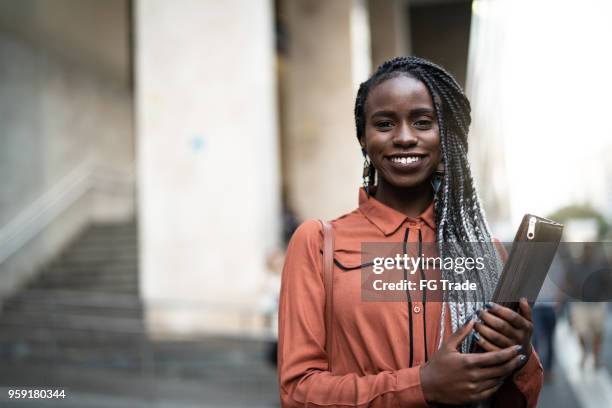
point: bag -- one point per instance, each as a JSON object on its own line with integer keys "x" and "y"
{"x": 328, "y": 269}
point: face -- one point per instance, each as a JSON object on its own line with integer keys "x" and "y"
{"x": 402, "y": 137}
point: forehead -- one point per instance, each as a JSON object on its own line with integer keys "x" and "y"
{"x": 399, "y": 93}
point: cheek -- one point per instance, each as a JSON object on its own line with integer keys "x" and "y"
{"x": 373, "y": 142}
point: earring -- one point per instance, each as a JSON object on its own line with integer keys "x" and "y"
{"x": 366, "y": 173}
{"x": 438, "y": 177}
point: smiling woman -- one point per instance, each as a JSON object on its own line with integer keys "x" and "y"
{"x": 402, "y": 139}
{"x": 412, "y": 120}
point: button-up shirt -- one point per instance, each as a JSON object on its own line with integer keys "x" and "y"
{"x": 372, "y": 344}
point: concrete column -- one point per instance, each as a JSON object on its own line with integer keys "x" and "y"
{"x": 328, "y": 55}
{"x": 389, "y": 29}
{"x": 207, "y": 154}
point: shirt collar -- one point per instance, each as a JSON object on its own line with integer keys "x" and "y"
{"x": 388, "y": 220}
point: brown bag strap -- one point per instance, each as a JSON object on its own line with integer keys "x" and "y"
{"x": 328, "y": 268}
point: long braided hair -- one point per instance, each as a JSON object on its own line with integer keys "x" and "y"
{"x": 459, "y": 215}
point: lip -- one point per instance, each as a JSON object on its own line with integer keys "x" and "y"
{"x": 408, "y": 166}
{"x": 405, "y": 154}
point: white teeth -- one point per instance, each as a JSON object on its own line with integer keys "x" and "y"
{"x": 405, "y": 160}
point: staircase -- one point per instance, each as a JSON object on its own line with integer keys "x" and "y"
{"x": 83, "y": 308}
{"x": 80, "y": 323}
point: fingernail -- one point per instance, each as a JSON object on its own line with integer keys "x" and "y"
{"x": 519, "y": 348}
{"x": 476, "y": 337}
{"x": 469, "y": 319}
{"x": 489, "y": 305}
{"x": 522, "y": 359}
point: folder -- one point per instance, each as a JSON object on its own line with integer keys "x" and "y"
{"x": 532, "y": 253}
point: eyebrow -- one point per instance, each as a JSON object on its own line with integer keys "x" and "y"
{"x": 413, "y": 112}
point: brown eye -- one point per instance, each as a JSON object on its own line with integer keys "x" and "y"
{"x": 423, "y": 124}
{"x": 384, "y": 125}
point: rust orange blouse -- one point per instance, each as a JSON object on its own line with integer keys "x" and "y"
{"x": 371, "y": 340}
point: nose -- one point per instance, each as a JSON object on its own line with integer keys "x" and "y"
{"x": 404, "y": 136}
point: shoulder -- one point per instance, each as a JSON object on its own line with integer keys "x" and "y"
{"x": 308, "y": 231}
{"x": 307, "y": 237}
{"x": 312, "y": 229}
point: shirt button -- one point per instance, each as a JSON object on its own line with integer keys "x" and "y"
{"x": 417, "y": 309}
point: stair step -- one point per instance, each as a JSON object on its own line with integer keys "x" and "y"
{"x": 117, "y": 226}
{"x": 70, "y": 321}
{"x": 37, "y": 307}
{"x": 127, "y": 289}
{"x": 120, "y": 237}
{"x": 101, "y": 278}
{"x": 100, "y": 263}
{"x": 109, "y": 269}
{"x": 104, "y": 245}
{"x": 115, "y": 358}
{"x": 71, "y": 282}
{"x": 78, "y": 298}
{"x": 97, "y": 255}
{"x": 66, "y": 335}
{"x": 133, "y": 356}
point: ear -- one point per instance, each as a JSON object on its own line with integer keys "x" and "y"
{"x": 441, "y": 167}
{"x": 362, "y": 143}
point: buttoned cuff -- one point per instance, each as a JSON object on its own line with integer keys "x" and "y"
{"x": 409, "y": 391}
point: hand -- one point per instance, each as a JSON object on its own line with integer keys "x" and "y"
{"x": 501, "y": 327}
{"x": 451, "y": 377}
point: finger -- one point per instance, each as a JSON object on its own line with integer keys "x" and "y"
{"x": 502, "y": 370}
{"x": 507, "y": 314}
{"x": 484, "y": 343}
{"x": 488, "y": 393}
{"x": 488, "y": 384}
{"x": 494, "y": 336}
{"x": 492, "y": 358}
{"x": 501, "y": 326}
{"x": 525, "y": 309}
{"x": 457, "y": 337}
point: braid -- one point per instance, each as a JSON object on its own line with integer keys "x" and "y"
{"x": 460, "y": 217}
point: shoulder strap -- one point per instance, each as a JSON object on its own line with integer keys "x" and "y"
{"x": 328, "y": 268}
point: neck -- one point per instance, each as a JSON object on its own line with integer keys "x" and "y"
{"x": 410, "y": 201}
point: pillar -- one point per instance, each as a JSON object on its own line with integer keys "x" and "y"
{"x": 207, "y": 153}
{"x": 327, "y": 57}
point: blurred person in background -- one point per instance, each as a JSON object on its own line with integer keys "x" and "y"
{"x": 545, "y": 312}
{"x": 412, "y": 121}
{"x": 586, "y": 277}
{"x": 590, "y": 276}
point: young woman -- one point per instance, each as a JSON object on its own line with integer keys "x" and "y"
{"x": 412, "y": 121}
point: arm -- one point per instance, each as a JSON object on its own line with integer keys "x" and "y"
{"x": 303, "y": 366}
{"x": 524, "y": 388}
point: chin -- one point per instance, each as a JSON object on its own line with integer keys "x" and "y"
{"x": 407, "y": 182}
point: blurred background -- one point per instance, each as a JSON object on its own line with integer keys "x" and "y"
{"x": 157, "y": 155}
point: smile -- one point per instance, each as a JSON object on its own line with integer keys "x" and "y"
{"x": 405, "y": 160}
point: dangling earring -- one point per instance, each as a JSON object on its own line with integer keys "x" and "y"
{"x": 366, "y": 173}
{"x": 438, "y": 177}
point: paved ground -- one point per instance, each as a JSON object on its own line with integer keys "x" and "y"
{"x": 96, "y": 387}
{"x": 93, "y": 388}
{"x": 573, "y": 387}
